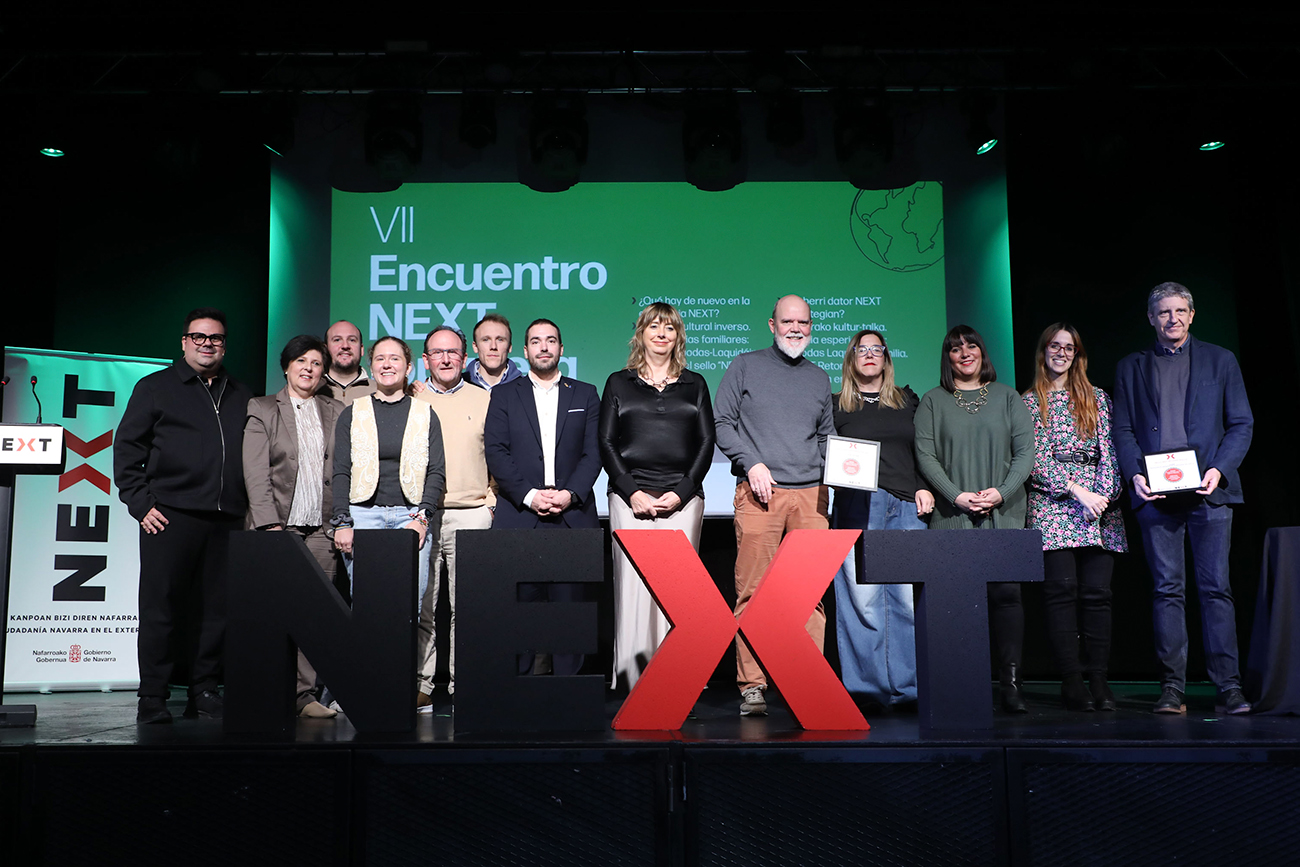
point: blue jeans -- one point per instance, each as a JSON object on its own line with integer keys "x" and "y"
{"x": 390, "y": 518}
{"x": 874, "y": 623}
{"x": 1209, "y": 528}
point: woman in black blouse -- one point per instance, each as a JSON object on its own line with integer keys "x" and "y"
{"x": 656, "y": 442}
{"x": 874, "y": 622}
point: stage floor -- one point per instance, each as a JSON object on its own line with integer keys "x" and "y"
{"x": 108, "y": 719}
{"x": 1048, "y": 787}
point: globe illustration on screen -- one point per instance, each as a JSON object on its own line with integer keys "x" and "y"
{"x": 900, "y": 230}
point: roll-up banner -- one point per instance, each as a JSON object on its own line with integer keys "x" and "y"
{"x": 75, "y": 563}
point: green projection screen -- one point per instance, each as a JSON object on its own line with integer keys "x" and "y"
{"x": 592, "y": 257}
{"x": 404, "y": 262}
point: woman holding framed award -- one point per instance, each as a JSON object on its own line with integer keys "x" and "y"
{"x": 874, "y": 623}
{"x": 1073, "y": 499}
{"x": 975, "y": 446}
{"x": 656, "y": 442}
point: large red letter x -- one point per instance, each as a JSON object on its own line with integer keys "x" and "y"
{"x": 703, "y": 626}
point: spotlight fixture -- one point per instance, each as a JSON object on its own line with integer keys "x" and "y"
{"x": 864, "y": 138}
{"x": 980, "y": 136}
{"x": 785, "y": 120}
{"x": 478, "y": 120}
{"x": 52, "y": 152}
{"x": 557, "y": 141}
{"x": 276, "y": 124}
{"x": 712, "y": 143}
{"x": 394, "y": 135}
{"x": 1211, "y": 121}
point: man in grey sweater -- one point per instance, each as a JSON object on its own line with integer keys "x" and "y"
{"x": 773, "y": 414}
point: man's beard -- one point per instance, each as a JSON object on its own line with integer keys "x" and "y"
{"x": 349, "y": 371}
{"x": 545, "y": 365}
{"x": 790, "y": 352}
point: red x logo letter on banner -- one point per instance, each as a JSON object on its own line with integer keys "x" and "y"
{"x": 703, "y": 626}
{"x": 85, "y": 472}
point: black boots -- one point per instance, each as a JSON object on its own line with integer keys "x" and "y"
{"x": 1075, "y": 694}
{"x": 1102, "y": 697}
{"x": 1012, "y": 700}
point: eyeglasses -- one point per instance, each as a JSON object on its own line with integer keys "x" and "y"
{"x": 864, "y": 351}
{"x": 198, "y": 338}
{"x": 1060, "y": 349}
{"x": 439, "y": 353}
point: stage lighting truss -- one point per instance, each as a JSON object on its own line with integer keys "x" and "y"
{"x": 394, "y": 135}
{"x": 557, "y": 139}
{"x": 712, "y": 142}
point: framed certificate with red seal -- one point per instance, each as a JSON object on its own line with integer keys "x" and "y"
{"x": 852, "y": 463}
{"x": 1173, "y": 472}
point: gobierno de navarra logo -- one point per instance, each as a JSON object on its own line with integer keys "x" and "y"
{"x": 74, "y": 653}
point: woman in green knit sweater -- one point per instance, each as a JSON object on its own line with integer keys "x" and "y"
{"x": 975, "y": 446}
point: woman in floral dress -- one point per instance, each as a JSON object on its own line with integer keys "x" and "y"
{"x": 1073, "y": 499}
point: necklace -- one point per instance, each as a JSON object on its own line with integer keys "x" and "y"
{"x": 658, "y": 384}
{"x": 870, "y": 398}
{"x": 972, "y": 406}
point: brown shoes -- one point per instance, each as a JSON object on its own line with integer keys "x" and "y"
{"x": 316, "y": 710}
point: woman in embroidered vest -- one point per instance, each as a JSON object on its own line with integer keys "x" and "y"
{"x": 288, "y": 469}
{"x": 975, "y": 446}
{"x": 1074, "y": 499}
{"x": 875, "y": 623}
{"x": 389, "y": 472}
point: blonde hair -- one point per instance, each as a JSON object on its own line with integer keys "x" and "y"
{"x": 1083, "y": 397}
{"x": 850, "y": 397}
{"x": 668, "y": 315}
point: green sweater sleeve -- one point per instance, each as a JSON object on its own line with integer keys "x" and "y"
{"x": 927, "y": 456}
{"x": 1022, "y": 445}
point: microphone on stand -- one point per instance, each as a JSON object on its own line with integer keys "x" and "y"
{"x": 38, "y": 401}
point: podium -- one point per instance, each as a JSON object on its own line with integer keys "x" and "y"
{"x": 25, "y": 449}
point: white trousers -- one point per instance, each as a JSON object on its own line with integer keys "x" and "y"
{"x": 639, "y": 623}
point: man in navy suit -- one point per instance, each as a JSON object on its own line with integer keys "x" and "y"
{"x": 540, "y": 444}
{"x": 1182, "y": 393}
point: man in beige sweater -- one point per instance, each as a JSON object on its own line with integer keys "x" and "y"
{"x": 461, "y": 409}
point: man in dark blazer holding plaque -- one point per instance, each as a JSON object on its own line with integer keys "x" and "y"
{"x": 540, "y": 444}
{"x": 1178, "y": 394}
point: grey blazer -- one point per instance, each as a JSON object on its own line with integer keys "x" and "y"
{"x": 271, "y": 456}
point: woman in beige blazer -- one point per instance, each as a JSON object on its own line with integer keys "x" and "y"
{"x": 288, "y": 470}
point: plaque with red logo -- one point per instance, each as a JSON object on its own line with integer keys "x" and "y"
{"x": 1173, "y": 472}
{"x": 852, "y": 463}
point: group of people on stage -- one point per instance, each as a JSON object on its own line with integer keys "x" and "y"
{"x": 973, "y": 454}
{"x": 483, "y": 444}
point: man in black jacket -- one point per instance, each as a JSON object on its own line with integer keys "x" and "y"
{"x": 178, "y": 468}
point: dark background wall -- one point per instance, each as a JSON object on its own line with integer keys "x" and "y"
{"x": 163, "y": 206}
